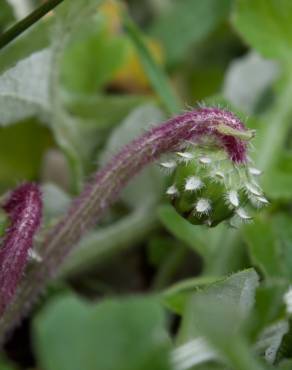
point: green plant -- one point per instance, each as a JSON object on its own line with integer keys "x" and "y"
{"x": 80, "y": 89}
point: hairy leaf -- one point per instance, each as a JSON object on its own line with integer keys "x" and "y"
{"x": 71, "y": 334}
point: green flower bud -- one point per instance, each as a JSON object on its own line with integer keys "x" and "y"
{"x": 208, "y": 188}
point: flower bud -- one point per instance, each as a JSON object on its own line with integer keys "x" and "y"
{"x": 208, "y": 188}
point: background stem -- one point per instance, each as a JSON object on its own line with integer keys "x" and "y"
{"x": 21, "y": 26}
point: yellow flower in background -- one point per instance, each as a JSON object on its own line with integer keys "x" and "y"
{"x": 131, "y": 76}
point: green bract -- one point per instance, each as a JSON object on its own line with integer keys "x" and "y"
{"x": 208, "y": 188}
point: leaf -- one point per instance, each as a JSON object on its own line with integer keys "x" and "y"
{"x": 264, "y": 250}
{"x": 147, "y": 186}
{"x": 282, "y": 188}
{"x": 176, "y": 297}
{"x": 34, "y": 39}
{"x": 281, "y": 225}
{"x": 218, "y": 312}
{"x": 90, "y": 119}
{"x": 92, "y": 57}
{"x": 4, "y": 222}
{"x": 102, "y": 111}
{"x": 266, "y": 26}
{"x": 246, "y": 80}
{"x": 24, "y": 89}
{"x": 55, "y": 200}
{"x": 269, "y": 243}
{"x": 238, "y": 290}
{"x": 285, "y": 365}
{"x": 6, "y": 15}
{"x": 70, "y": 334}
{"x": 22, "y": 147}
{"x": 186, "y": 23}
{"x": 211, "y": 366}
{"x": 269, "y": 306}
{"x": 104, "y": 242}
{"x": 267, "y": 324}
{"x": 194, "y": 236}
{"x": 219, "y": 322}
{"x": 76, "y": 144}
{"x": 269, "y": 342}
{"x": 4, "y": 365}
{"x": 155, "y": 73}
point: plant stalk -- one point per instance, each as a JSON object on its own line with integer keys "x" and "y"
{"x": 21, "y": 26}
{"x": 104, "y": 188}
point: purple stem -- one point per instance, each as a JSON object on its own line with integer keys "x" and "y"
{"x": 105, "y": 186}
{"x": 24, "y": 207}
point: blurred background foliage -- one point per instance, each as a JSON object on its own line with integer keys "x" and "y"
{"x": 82, "y": 82}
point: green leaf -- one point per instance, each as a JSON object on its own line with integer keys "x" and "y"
{"x": 269, "y": 306}
{"x": 247, "y": 78}
{"x": 34, "y": 39}
{"x": 6, "y": 15}
{"x": 70, "y": 334}
{"x": 270, "y": 340}
{"x": 149, "y": 184}
{"x": 186, "y": 23}
{"x": 269, "y": 243}
{"x": 55, "y": 200}
{"x": 181, "y": 228}
{"x": 102, "y": 111}
{"x": 91, "y": 58}
{"x": 219, "y": 322}
{"x": 282, "y": 171}
{"x": 211, "y": 366}
{"x": 285, "y": 365}
{"x": 87, "y": 122}
{"x": 194, "y": 236}
{"x": 280, "y": 189}
{"x": 4, "y": 222}
{"x": 264, "y": 250}
{"x": 5, "y": 365}
{"x": 155, "y": 73}
{"x": 104, "y": 242}
{"x": 22, "y": 147}
{"x": 267, "y": 324}
{"x": 176, "y": 297}
{"x": 70, "y": 17}
{"x": 266, "y": 26}
{"x": 218, "y": 313}
{"x": 238, "y": 290}
{"x": 281, "y": 225}
{"x": 24, "y": 89}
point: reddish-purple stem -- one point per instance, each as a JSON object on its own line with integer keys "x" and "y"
{"x": 105, "y": 186}
{"x": 24, "y": 207}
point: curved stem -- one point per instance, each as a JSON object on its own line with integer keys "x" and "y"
{"x": 24, "y": 208}
{"x": 16, "y": 30}
{"x": 105, "y": 187}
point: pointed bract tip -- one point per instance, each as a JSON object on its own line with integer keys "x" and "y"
{"x": 232, "y": 198}
{"x": 193, "y": 183}
{"x": 243, "y": 215}
{"x": 172, "y": 190}
{"x": 203, "y": 206}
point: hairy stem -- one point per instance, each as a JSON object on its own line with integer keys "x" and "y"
{"x": 24, "y": 208}
{"x": 105, "y": 187}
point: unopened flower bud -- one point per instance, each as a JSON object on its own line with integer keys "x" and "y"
{"x": 208, "y": 188}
